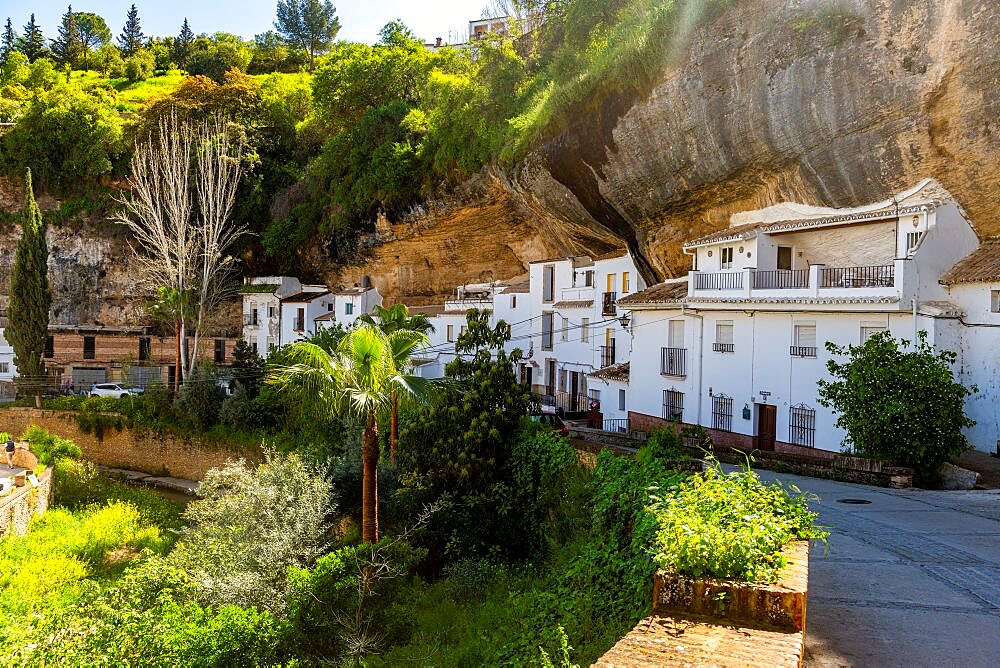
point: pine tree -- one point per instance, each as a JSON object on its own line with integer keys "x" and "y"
{"x": 30, "y": 298}
{"x": 130, "y": 40}
{"x": 9, "y": 42}
{"x": 68, "y": 47}
{"x": 32, "y": 44}
{"x": 183, "y": 45}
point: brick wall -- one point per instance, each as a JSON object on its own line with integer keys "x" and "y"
{"x": 18, "y": 507}
{"x": 135, "y": 449}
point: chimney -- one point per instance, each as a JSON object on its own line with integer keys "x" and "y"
{"x": 437, "y": 41}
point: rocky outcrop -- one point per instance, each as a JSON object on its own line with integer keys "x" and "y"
{"x": 826, "y": 102}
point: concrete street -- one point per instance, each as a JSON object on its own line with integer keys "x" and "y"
{"x": 910, "y": 579}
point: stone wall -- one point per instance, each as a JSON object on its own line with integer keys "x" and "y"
{"x": 135, "y": 449}
{"x": 18, "y": 507}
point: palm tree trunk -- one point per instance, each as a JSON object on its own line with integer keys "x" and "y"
{"x": 394, "y": 429}
{"x": 369, "y": 482}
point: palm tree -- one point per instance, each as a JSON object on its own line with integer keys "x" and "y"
{"x": 359, "y": 379}
{"x": 397, "y": 318}
{"x": 172, "y": 306}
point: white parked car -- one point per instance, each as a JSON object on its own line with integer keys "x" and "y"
{"x": 114, "y": 390}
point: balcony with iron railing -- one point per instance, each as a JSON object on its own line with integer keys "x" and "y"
{"x": 673, "y": 361}
{"x": 802, "y": 351}
{"x": 724, "y": 347}
{"x": 250, "y": 320}
{"x": 607, "y": 355}
{"x": 609, "y": 303}
{"x": 881, "y": 280}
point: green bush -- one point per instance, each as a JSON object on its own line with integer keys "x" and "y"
{"x": 50, "y": 447}
{"x": 729, "y": 526}
{"x": 663, "y": 445}
{"x": 139, "y": 67}
{"x": 200, "y": 399}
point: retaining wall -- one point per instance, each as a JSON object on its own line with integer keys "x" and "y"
{"x": 18, "y": 507}
{"x": 156, "y": 453}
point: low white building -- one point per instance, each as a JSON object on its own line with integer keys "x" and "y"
{"x": 346, "y": 305}
{"x": 740, "y": 345}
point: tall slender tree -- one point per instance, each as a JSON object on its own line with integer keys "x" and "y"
{"x": 67, "y": 47}
{"x": 9, "y": 42}
{"x": 311, "y": 25}
{"x": 130, "y": 40}
{"x": 30, "y": 297}
{"x": 32, "y": 43}
{"x": 183, "y": 45}
{"x": 94, "y": 33}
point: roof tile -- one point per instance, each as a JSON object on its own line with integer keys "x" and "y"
{"x": 980, "y": 266}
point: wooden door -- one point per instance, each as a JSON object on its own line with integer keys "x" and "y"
{"x": 767, "y": 425}
{"x": 574, "y": 384}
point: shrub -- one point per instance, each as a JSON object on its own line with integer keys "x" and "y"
{"x": 139, "y": 66}
{"x": 250, "y": 526}
{"x": 200, "y": 399}
{"x": 663, "y": 445}
{"x": 898, "y": 403}
{"x": 729, "y": 526}
{"x": 237, "y": 411}
{"x": 49, "y": 447}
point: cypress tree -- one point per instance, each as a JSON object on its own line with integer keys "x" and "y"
{"x": 68, "y": 47}
{"x": 130, "y": 40}
{"x": 9, "y": 42}
{"x": 32, "y": 44}
{"x": 30, "y": 298}
{"x": 183, "y": 45}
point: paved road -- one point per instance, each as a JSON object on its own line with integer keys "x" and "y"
{"x": 910, "y": 579}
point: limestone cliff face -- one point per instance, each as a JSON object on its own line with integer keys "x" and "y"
{"x": 826, "y": 102}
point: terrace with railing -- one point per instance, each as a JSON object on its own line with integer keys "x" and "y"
{"x": 607, "y": 356}
{"x": 882, "y": 280}
{"x": 673, "y": 361}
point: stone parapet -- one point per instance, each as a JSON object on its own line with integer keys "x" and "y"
{"x": 20, "y": 505}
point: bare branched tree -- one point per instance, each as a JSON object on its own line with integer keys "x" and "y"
{"x": 183, "y": 186}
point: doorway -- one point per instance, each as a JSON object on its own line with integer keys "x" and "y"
{"x": 574, "y": 385}
{"x": 767, "y": 424}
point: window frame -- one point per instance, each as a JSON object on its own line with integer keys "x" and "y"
{"x": 220, "y": 351}
{"x": 673, "y": 406}
{"x": 726, "y": 257}
{"x": 802, "y": 426}
{"x": 994, "y": 301}
{"x": 585, "y": 331}
{"x": 548, "y": 283}
{"x": 89, "y": 351}
{"x": 547, "y": 335}
{"x": 722, "y": 412}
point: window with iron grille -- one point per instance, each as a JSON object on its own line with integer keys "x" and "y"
{"x": 220, "y": 351}
{"x": 145, "y": 348}
{"x": 88, "y": 348}
{"x": 804, "y": 340}
{"x": 802, "y": 425}
{"x": 722, "y": 412}
{"x": 912, "y": 239}
{"x": 724, "y": 337}
{"x": 673, "y": 405}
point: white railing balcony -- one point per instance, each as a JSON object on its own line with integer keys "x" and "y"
{"x": 881, "y": 280}
{"x": 463, "y": 305}
{"x": 578, "y": 293}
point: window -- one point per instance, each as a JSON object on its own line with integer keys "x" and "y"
{"x": 585, "y": 330}
{"x": 995, "y": 301}
{"x": 624, "y": 282}
{"x": 220, "y": 351}
{"x": 562, "y": 380}
{"x": 785, "y": 257}
{"x": 870, "y": 329}
{"x": 253, "y": 318}
{"x": 803, "y": 340}
{"x": 548, "y": 283}
{"x": 550, "y": 377}
{"x": 4, "y": 367}
{"x": 564, "y": 335}
{"x": 726, "y": 257}
{"x": 675, "y": 334}
{"x": 612, "y": 282}
{"x": 722, "y": 412}
{"x": 912, "y": 239}
{"x": 349, "y": 308}
{"x": 546, "y": 331}
{"x": 724, "y": 337}
{"x": 802, "y": 425}
{"x": 588, "y": 278}
{"x": 145, "y": 348}
{"x": 329, "y": 307}
{"x": 513, "y": 301}
{"x": 462, "y": 330}
{"x": 451, "y": 332}
{"x": 270, "y": 313}
{"x": 50, "y": 347}
{"x": 673, "y": 405}
{"x": 300, "y": 320}
{"x": 88, "y": 347}
{"x": 595, "y": 398}
{"x": 621, "y": 400}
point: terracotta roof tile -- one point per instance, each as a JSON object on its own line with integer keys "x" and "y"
{"x": 518, "y": 284}
{"x": 980, "y": 266}
{"x": 619, "y": 372}
{"x": 436, "y": 309}
{"x": 662, "y": 293}
{"x": 304, "y": 297}
{"x": 621, "y": 252}
{"x": 577, "y": 303}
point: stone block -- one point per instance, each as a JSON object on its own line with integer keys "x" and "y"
{"x": 955, "y": 477}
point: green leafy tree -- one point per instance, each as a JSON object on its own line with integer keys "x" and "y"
{"x": 215, "y": 58}
{"x": 32, "y": 43}
{"x": 460, "y": 450}
{"x": 171, "y": 306}
{"x": 14, "y": 70}
{"x": 248, "y": 367}
{"x": 898, "y": 402}
{"x": 67, "y": 48}
{"x": 130, "y": 40}
{"x": 139, "y": 66}
{"x": 397, "y": 318}
{"x": 30, "y": 297}
{"x": 357, "y": 381}
{"x": 8, "y": 44}
{"x": 183, "y": 45}
{"x": 108, "y": 59}
{"x": 94, "y": 34}
{"x": 311, "y": 25}
{"x": 82, "y": 138}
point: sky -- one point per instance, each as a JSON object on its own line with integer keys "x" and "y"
{"x": 360, "y": 20}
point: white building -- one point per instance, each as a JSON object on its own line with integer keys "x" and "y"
{"x": 346, "y": 305}
{"x": 8, "y": 371}
{"x": 740, "y": 345}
